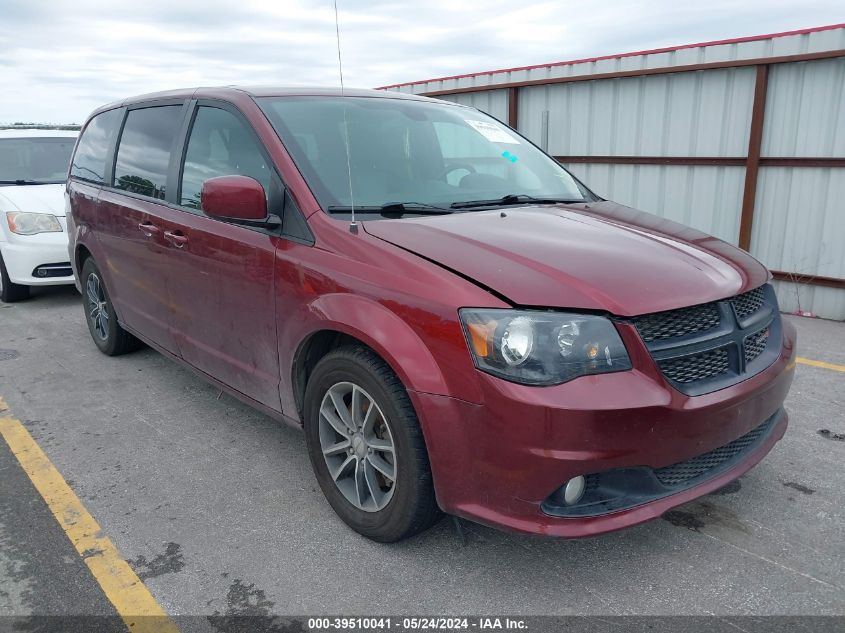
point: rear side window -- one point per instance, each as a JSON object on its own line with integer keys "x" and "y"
{"x": 144, "y": 151}
{"x": 220, "y": 144}
{"x": 89, "y": 162}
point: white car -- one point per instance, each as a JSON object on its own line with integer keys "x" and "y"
{"x": 33, "y": 234}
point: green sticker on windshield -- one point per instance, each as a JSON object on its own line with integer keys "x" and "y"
{"x": 508, "y": 156}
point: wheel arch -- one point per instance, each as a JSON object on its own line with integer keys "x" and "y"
{"x": 351, "y": 319}
{"x": 79, "y": 256}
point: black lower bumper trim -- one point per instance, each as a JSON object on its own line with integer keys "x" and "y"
{"x": 53, "y": 270}
{"x": 624, "y": 488}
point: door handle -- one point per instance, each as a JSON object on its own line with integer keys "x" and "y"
{"x": 149, "y": 229}
{"x": 177, "y": 238}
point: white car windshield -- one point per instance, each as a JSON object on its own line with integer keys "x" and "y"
{"x": 35, "y": 160}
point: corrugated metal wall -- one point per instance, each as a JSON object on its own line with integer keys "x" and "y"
{"x": 685, "y": 114}
{"x": 804, "y": 110}
{"x": 799, "y": 220}
{"x": 493, "y": 102}
{"x": 707, "y": 198}
{"x": 800, "y": 212}
{"x": 810, "y": 41}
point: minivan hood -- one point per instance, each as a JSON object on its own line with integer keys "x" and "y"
{"x": 601, "y": 256}
{"x": 33, "y": 198}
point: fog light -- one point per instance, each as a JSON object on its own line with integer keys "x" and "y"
{"x": 574, "y": 490}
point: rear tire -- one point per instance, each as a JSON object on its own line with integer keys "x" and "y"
{"x": 109, "y": 337}
{"x": 10, "y": 292}
{"x": 387, "y": 510}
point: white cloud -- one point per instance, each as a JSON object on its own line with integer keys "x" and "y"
{"x": 58, "y": 65}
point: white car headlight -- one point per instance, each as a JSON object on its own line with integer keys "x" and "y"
{"x": 31, "y": 223}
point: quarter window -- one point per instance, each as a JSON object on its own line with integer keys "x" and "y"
{"x": 144, "y": 152}
{"x": 89, "y": 161}
{"x": 220, "y": 144}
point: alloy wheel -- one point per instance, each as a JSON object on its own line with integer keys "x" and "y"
{"x": 358, "y": 446}
{"x": 98, "y": 310}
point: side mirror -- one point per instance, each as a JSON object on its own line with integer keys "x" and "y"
{"x": 234, "y": 198}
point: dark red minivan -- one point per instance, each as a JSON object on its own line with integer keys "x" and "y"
{"x": 456, "y": 321}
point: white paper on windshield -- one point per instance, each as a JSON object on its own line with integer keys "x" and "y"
{"x": 492, "y": 132}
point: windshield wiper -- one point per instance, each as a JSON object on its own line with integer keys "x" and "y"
{"x": 23, "y": 181}
{"x": 395, "y": 209}
{"x": 509, "y": 199}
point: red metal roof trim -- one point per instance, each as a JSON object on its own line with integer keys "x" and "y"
{"x": 669, "y": 49}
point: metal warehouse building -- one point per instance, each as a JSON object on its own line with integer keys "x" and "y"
{"x": 743, "y": 139}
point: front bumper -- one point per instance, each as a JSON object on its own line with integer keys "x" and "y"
{"x": 497, "y": 462}
{"x": 22, "y": 254}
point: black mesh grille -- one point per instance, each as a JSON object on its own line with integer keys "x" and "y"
{"x": 755, "y": 344}
{"x": 748, "y": 303}
{"x": 675, "y": 323}
{"x": 683, "y": 472}
{"x": 696, "y": 367}
{"x": 731, "y": 330}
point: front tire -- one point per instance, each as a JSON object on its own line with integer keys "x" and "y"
{"x": 10, "y": 292}
{"x": 109, "y": 337}
{"x": 366, "y": 446}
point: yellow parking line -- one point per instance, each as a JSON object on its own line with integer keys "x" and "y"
{"x": 131, "y": 599}
{"x": 820, "y": 363}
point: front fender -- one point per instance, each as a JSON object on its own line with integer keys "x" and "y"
{"x": 82, "y": 239}
{"x": 380, "y": 328}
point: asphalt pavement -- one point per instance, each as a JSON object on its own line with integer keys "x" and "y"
{"x": 215, "y": 507}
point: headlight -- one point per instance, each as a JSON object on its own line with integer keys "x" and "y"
{"x": 32, "y": 223}
{"x": 542, "y": 348}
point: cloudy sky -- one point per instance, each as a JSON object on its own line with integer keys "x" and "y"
{"x": 59, "y": 59}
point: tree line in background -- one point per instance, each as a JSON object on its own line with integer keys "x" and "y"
{"x": 18, "y": 125}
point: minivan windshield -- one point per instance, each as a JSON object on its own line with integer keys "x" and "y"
{"x": 413, "y": 153}
{"x": 34, "y": 160}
